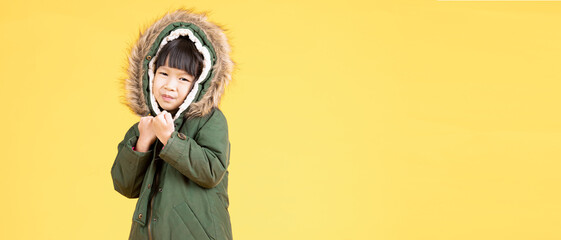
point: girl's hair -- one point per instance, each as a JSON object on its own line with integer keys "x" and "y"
{"x": 181, "y": 53}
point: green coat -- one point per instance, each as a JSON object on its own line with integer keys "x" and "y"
{"x": 182, "y": 188}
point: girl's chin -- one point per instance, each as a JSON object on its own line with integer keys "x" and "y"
{"x": 167, "y": 107}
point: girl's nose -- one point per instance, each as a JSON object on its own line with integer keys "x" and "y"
{"x": 171, "y": 84}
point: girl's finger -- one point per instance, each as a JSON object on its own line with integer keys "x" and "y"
{"x": 159, "y": 115}
{"x": 168, "y": 117}
{"x": 157, "y": 119}
{"x": 162, "y": 115}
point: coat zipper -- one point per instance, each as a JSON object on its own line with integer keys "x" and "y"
{"x": 155, "y": 186}
{"x": 154, "y": 192}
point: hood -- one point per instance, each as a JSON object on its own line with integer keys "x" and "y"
{"x": 209, "y": 39}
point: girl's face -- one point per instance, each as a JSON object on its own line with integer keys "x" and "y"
{"x": 171, "y": 86}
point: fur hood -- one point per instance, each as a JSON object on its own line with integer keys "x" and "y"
{"x": 209, "y": 39}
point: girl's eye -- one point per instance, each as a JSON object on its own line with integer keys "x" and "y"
{"x": 163, "y": 73}
{"x": 185, "y": 79}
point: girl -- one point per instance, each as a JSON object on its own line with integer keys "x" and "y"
{"x": 175, "y": 160}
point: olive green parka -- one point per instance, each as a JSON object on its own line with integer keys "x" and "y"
{"x": 181, "y": 188}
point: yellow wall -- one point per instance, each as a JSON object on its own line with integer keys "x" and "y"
{"x": 348, "y": 120}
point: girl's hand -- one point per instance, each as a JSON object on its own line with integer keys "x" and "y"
{"x": 147, "y": 135}
{"x": 163, "y": 126}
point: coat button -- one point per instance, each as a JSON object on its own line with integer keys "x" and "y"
{"x": 149, "y": 185}
{"x": 160, "y": 190}
{"x": 140, "y": 216}
{"x": 182, "y": 136}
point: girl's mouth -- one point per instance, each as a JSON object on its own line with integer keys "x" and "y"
{"x": 167, "y": 98}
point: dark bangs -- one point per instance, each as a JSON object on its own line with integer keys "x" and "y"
{"x": 181, "y": 53}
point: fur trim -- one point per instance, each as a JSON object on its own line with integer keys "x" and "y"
{"x": 222, "y": 69}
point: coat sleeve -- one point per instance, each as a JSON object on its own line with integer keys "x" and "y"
{"x": 205, "y": 158}
{"x": 130, "y": 166}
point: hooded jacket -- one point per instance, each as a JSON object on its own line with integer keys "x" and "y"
{"x": 182, "y": 188}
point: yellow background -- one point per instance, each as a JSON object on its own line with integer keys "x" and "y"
{"x": 348, "y": 119}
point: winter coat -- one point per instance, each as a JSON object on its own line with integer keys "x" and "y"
{"x": 181, "y": 188}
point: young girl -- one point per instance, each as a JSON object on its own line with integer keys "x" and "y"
{"x": 175, "y": 160}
